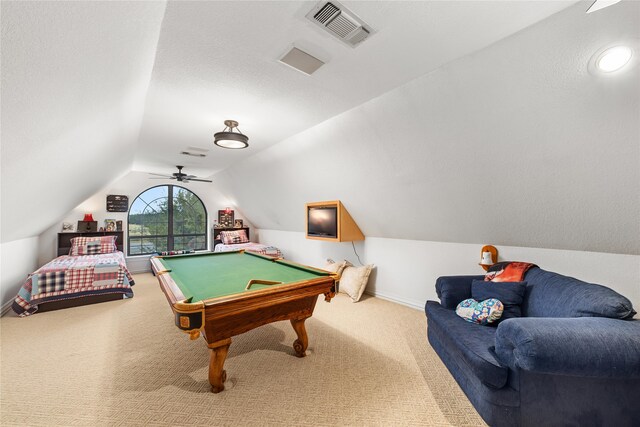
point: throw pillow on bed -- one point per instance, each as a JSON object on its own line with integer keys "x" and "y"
{"x": 510, "y": 294}
{"x": 93, "y": 245}
{"x": 480, "y": 312}
{"x": 233, "y": 237}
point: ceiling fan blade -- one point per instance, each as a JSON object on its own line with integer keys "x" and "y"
{"x": 200, "y": 180}
{"x": 159, "y": 177}
{"x": 159, "y": 174}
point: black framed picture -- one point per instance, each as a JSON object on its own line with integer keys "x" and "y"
{"x": 225, "y": 218}
{"x": 238, "y": 223}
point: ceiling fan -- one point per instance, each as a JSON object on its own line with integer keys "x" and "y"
{"x": 179, "y": 176}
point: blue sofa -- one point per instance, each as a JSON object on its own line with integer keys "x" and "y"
{"x": 572, "y": 359}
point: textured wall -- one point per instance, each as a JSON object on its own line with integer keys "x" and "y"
{"x": 131, "y": 185}
{"x": 517, "y": 144}
{"x": 18, "y": 259}
{"x": 406, "y": 270}
{"x": 74, "y": 80}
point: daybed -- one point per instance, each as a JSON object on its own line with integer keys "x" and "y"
{"x": 573, "y": 358}
{"x": 235, "y": 240}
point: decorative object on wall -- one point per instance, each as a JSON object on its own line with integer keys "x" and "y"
{"x": 119, "y": 225}
{"x": 110, "y": 225}
{"x": 238, "y": 223}
{"x": 488, "y": 257}
{"x": 179, "y": 176}
{"x": 67, "y": 227}
{"x": 225, "y": 218}
{"x": 117, "y": 203}
{"x": 230, "y": 139}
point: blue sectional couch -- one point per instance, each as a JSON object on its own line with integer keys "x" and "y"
{"x": 572, "y": 359}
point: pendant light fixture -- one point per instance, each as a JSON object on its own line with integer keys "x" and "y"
{"x": 230, "y": 139}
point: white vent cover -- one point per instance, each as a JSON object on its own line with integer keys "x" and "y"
{"x": 301, "y": 61}
{"x": 340, "y": 22}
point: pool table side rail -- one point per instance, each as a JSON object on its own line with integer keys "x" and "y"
{"x": 189, "y": 317}
{"x": 291, "y": 301}
{"x": 275, "y": 290}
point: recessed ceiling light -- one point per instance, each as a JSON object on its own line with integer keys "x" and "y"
{"x": 613, "y": 59}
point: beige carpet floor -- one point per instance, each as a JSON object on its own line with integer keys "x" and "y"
{"x": 125, "y": 363}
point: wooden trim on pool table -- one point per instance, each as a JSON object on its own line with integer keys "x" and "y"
{"x": 189, "y": 316}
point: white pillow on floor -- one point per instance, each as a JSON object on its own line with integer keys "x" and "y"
{"x": 354, "y": 281}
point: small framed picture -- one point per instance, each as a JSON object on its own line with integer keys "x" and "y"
{"x": 119, "y": 225}
{"x": 225, "y": 218}
{"x": 237, "y": 223}
{"x": 109, "y": 225}
{"x": 68, "y": 227}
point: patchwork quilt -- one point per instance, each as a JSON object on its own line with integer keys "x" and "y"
{"x": 253, "y": 247}
{"x": 68, "y": 277}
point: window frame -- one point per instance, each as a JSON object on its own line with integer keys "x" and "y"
{"x": 170, "y": 236}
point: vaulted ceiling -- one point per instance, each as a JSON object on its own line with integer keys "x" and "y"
{"x": 92, "y": 90}
{"x": 219, "y": 60}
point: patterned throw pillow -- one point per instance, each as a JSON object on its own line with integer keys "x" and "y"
{"x": 233, "y": 237}
{"x": 480, "y": 312}
{"x": 93, "y": 245}
{"x": 510, "y": 294}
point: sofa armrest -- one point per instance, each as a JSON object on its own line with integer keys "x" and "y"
{"x": 581, "y": 346}
{"x": 453, "y": 289}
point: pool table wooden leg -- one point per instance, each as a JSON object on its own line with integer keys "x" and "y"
{"x": 217, "y": 375}
{"x": 300, "y": 345}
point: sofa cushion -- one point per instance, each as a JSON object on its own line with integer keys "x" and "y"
{"x": 480, "y": 312}
{"x": 510, "y": 295}
{"x": 554, "y": 295}
{"x": 469, "y": 343}
{"x": 453, "y": 289}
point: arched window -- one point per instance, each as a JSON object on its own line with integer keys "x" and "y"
{"x": 166, "y": 218}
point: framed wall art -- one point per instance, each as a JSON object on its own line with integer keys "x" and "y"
{"x": 225, "y": 218}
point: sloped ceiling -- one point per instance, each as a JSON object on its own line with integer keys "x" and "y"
{"x": 74, "y": 80}
{"x": 430, "y": 159}
{"x": 218, "y": 60}
{"x": 518, "y": 144}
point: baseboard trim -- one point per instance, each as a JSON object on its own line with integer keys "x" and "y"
{"x": 5, "y": 308}
{"x": 418, "y": 305}
{"x": 139, "y": 264}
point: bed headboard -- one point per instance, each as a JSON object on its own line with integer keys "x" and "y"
{"x": 64, "y": 240}
{"x": 216, "y": 234}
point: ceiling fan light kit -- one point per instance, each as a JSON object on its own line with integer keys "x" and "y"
{"x": 230, "y": 139}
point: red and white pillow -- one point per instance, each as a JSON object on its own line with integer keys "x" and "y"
{"x": 93, "y": 245}
{"x": 234, "y": 237}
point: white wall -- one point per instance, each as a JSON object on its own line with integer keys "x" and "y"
{"x": 517, "y": 144}
{"x": 74, "y": 81}
{"x": 17, "y": 259}
{"x": 406, "y": 270}
{"x": 131, "y": 185}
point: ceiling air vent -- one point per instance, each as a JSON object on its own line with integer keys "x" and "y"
{"x": 340, "y": 22}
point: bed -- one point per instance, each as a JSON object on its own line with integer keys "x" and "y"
{"x": 229, "y": 241}
{"x": 94, "y": 271}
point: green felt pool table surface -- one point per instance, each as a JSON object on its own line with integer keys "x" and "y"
{"x": 209, "y": 275}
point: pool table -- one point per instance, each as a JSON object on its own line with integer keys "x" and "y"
{"x": 223, "y": 294}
